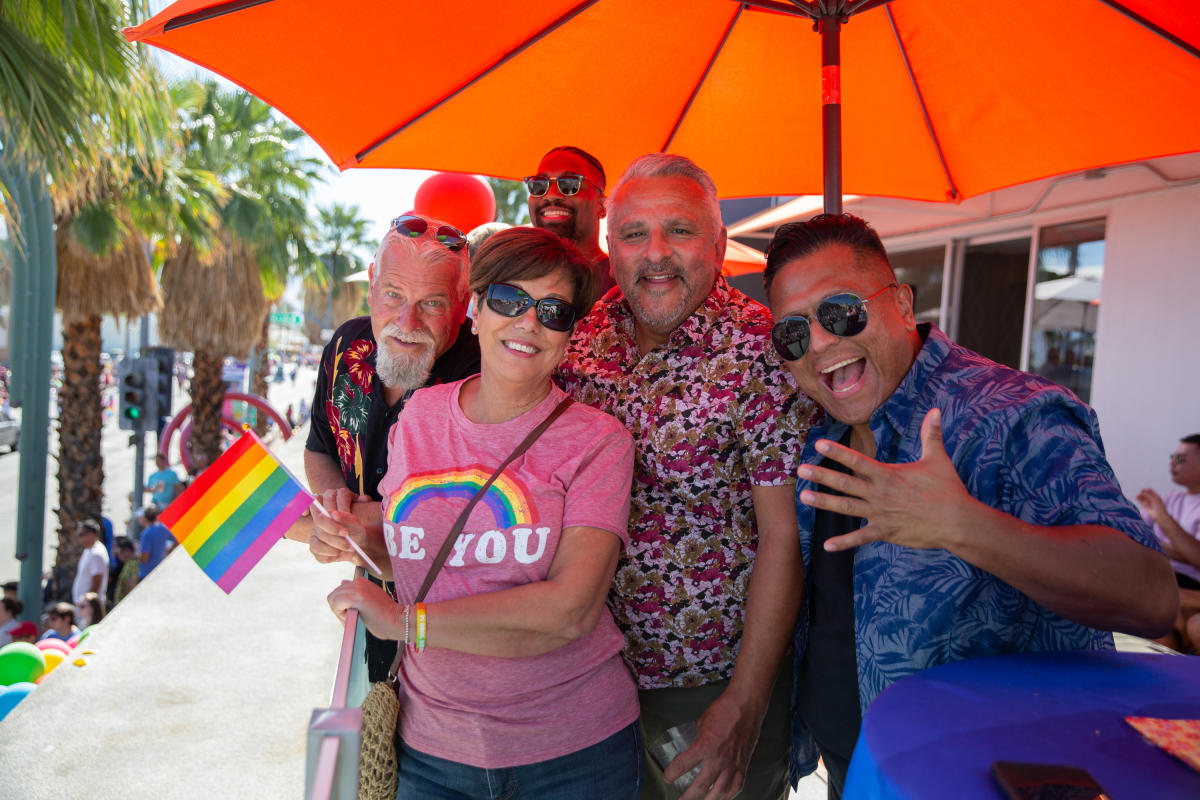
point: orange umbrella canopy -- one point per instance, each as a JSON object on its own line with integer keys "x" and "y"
{"x": 941, "y": 99}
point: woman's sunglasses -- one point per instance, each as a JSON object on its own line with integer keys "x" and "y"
{"x": 512, "y": 301}
{"x": 568, "y": 184}
{"x": 414, "y": 226}
{"x": 842, "y": 315}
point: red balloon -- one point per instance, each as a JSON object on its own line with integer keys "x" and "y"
{"x": 464, "y": 201}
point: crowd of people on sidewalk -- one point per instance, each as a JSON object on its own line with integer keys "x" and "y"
{"x": 106, "y": 571}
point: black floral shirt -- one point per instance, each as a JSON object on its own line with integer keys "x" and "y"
{"x": 351, "y": 418}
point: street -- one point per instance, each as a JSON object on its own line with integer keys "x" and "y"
{"x": 119, "y": 465}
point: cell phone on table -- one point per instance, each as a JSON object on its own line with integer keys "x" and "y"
{"x": 1024, "y": 781}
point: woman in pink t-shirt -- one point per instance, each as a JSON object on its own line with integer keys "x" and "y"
{"x": 520, "y": 690}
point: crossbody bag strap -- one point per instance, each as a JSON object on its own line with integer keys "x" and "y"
{"x": 460, "y": 523}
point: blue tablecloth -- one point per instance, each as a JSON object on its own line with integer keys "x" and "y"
{"x": 935, "y": 734}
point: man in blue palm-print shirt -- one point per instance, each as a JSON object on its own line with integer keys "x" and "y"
{"x": 950, "y": 508}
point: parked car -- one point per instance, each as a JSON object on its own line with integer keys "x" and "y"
{"x": 10, "y": 433}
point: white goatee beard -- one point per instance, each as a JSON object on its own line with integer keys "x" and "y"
{"x": 404, "y": 371}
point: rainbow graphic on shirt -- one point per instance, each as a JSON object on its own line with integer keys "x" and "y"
{"x": 507, "y": 497}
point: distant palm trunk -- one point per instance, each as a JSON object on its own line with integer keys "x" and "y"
{"x": 208, "y": 396}
{"x": 262, "y": 364}
{"x": 80, "y": 466}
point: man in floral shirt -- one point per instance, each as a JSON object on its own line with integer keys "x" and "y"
{"x": 708, "y": 591}
{"x": 417, "y": 335}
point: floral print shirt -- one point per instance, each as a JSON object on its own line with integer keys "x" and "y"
{"x": 1020, "y": 444}
{"x": 712, "y": 413}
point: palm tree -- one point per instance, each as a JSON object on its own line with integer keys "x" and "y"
{"x": 94, "y": 116}
{"x": 340, "y": 231}
{"x": 214, "y": 301}
{"x": 67, "y": 78}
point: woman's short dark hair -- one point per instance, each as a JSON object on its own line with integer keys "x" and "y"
{"x": 14, "y": 607}
{"x": 519, "y": 254}
{"x": 798, "y": 239}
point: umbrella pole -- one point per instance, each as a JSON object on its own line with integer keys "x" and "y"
{"x": 829, "y": 26}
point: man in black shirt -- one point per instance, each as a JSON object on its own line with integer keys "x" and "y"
{"x": 417, "y": 335}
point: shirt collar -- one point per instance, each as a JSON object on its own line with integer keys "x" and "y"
{"x": 692, "y": 329}
{"x": 898, "y": 409}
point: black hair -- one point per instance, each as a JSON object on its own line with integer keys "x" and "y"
{"x": 586, "y": 156}
{"x": 798, "y": 239}
{"x": 1193, "y": 439}
{"x": 15, "y": 607}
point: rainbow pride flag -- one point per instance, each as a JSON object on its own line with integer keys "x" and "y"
{"x": 235, "y": 510}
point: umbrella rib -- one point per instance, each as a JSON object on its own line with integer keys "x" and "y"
{"x": 1150, "y": 26}
{"x": 511, "y": 54}
{"x": 212, "y": 12}
{"x": 703, "y": 77}
{"x": 953, "y": 193}
{"x": 797, "y": 10}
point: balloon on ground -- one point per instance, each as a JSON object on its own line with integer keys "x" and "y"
{"x": 53, "y": 644}
{"x": 20, "y": 662}
{"x": 53, "y": 659}
{"x": 11, "y": 695}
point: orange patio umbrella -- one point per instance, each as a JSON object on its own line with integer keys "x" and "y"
{"x": 926, "y": 99}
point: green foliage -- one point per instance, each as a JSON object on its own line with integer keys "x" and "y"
{"x": 511, "y": 201}
{"x": 253, "y": 155}
{"x": 97, "y": 227}
{"x": 70, "y": 85}
{"x": 340, "y": 232}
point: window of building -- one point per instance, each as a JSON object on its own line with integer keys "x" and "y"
{"x": 1066, "y": 304}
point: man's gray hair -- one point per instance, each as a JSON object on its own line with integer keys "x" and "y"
{"x": 429, "y": 250}
{"x": 669, "y": 165}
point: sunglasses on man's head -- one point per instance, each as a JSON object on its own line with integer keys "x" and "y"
{"x": 414, "y": 226}
{"x": 568, "y": 184}
{"x": 842, "y": 315}
{"x": 512, "y": 301}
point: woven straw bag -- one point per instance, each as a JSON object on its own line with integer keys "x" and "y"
{"x": 378, "y": 764}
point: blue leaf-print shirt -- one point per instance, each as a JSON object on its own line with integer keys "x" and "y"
{"x": 1020, "y": 444}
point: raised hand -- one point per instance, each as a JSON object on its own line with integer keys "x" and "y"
{"x": 921, "y": 505}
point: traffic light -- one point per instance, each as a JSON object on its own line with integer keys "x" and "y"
{"x": 162, "y": 381}
{"x": 134, "y": 397}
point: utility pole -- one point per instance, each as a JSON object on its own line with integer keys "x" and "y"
{"x": 34, "y": 277}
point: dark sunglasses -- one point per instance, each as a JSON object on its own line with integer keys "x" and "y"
{"x": 842, "y": 315}
{"x": 568, "y": 184}
{"x": 512, "y": 301}
{"x": 414, "y": 226}
{"x": 1178, "y": 458}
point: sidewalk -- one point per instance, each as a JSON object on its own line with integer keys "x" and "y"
{"x": 189, "y": 693}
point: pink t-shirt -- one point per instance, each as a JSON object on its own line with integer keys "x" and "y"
{"x": 1184, "y": 508}
{"x": 487, "y": 711}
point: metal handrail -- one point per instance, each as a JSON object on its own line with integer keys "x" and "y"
{"x": 331, "y": 725}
